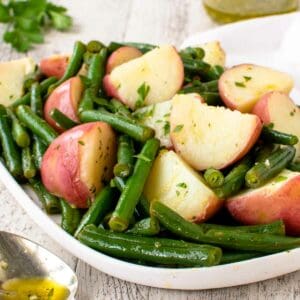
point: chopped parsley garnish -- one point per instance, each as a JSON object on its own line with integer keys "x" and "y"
{"x": 182, "y": 185}
{"x": 142, "y": 91}
{"x": 178, "y": 128}
{"x": 240, "y": 84}
{"x": 81, "y": 143}
{"x": 166, "y": 128}
{"x": 247, "y": 78}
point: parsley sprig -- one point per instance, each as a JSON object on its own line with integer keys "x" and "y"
{"x": 27, "y": 21}
{"x": 143, "y": 92}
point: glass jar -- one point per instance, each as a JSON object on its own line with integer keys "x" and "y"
{"x": 225, "y": 11}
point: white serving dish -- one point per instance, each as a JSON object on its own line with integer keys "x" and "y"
{"x": 271, "y": 41}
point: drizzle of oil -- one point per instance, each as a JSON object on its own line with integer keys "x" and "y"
{"x": 226, "y": 11}
{"x": 33, "y": 289}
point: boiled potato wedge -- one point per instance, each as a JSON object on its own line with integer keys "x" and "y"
{"x": 177, "y": 185}
{"x": 242, "y": 86}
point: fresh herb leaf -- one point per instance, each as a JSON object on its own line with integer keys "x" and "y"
{"x": 178, "y": 128}
{"x": 142, "y": 91}
{"x": 27, "y": 21}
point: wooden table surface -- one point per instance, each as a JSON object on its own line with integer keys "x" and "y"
{"x": 153, "y": 21}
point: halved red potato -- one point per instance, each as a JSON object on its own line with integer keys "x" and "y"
{"x": 279, "y": 199}
{"x": 161, "y": 69}
{"x": 280, "y": 110}
{"x": 157, "y": 117}
{"x": 121, "y": 56}
{"x": 54, "y": 65}
{"x": 78, "y": 161}
{"x": 65, "y": 98}
{"x": 242, "y": 86}
{"x": 210, "y": 136}
{"x": 174, "y": 183}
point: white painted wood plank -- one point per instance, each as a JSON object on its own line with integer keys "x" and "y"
{"x": 153, "y": 21}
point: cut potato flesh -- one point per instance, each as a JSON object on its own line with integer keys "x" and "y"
{"x": 214, "y": 54}
{"x": 12, "y": 76}
{"x": 279, "y": 109}
{"x": 161, "y": 69}
{"x": 177, "y": 185}
{"x": 208, "y": 136}
{"x": 242, "y": 86}
{"x": 157, "y": 117}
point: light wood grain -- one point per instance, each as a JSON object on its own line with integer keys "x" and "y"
{"x": 154, "y": 21}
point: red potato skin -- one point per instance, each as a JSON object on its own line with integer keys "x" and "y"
{"x": 247, "y": 148}
{"x": 65, "y": 98}
{"x": 261, "y": 107}
{"x": 60, "y": 171}
{"x": 121, "y": 56}
{"x": 113, "y": 91}
{"x": 262, "y": 208}
{"x": 55, "y": 65}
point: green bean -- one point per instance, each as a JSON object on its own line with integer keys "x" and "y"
{"x": 50, "y": 203}
{"x": 29, "y": 169}
{"x": 36, "y": 124}
{"x": 10, "y": 150}
{"x": 275, "y": 228}
{"x": 294, "y": 166}
{"x": 25, "y": 100}
{"x": 19, "y": 133}
{"x": 94, "y": 46}
{"x": 141, "y": 46}
{"x": 122, "y": 124}
{"x": 237, "y": 256}
{"x": 214, "y": 177}
{"x": 261, "y": 172}
{"x": 102, "y": 102}
{"x": 36, "y": 103}
{"x": 148, "y": 249}
{"x": 61, "y": 119}
{"x": 74, "y": 65}
{"x": 145, "y": 227}
{"x": 212, "y": 98}
{"x": 143, "y": 206}
{"x": 214, "y": 73}
{"x": 231, "y": 239}
{"x": 201, "y": 87}
{"x": 263, "y": 152}
{"x": 195, "y": 66}
{"x": 120, "y": 108}
{"x": 94, "y": 78}
{"x": 134, "y": 187}
{"x": 235, "y": 179}
{"x": 192, "y": 52}
{"x": 70, "y": 217}
{"x": 277, "y": 137}
{"x": 125, "y": 157}
{"x": 102, "y": 204}
{"x": 38, "y": 150}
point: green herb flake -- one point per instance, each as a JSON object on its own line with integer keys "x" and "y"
{"x": 177, "y": 193}
{"x": 247, "y": 78}
{"x": 182, "y": 185}
{"x": 240, "y": 84}
{"x": 143, "y": 92}
{"x": 50, "y": 294}
{"x": 166, "y": 128}
{"x": 292, "y": 113}
{"x": 166, "y": 115}
{"x": 81, "y": 143}
{"x": 280, "y": 178}
{"x": 178, "y": 128}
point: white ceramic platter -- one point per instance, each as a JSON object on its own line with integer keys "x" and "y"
{"x": 270, "y": 41}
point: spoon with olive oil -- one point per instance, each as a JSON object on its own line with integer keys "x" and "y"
{"x": 28, "y": 271}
